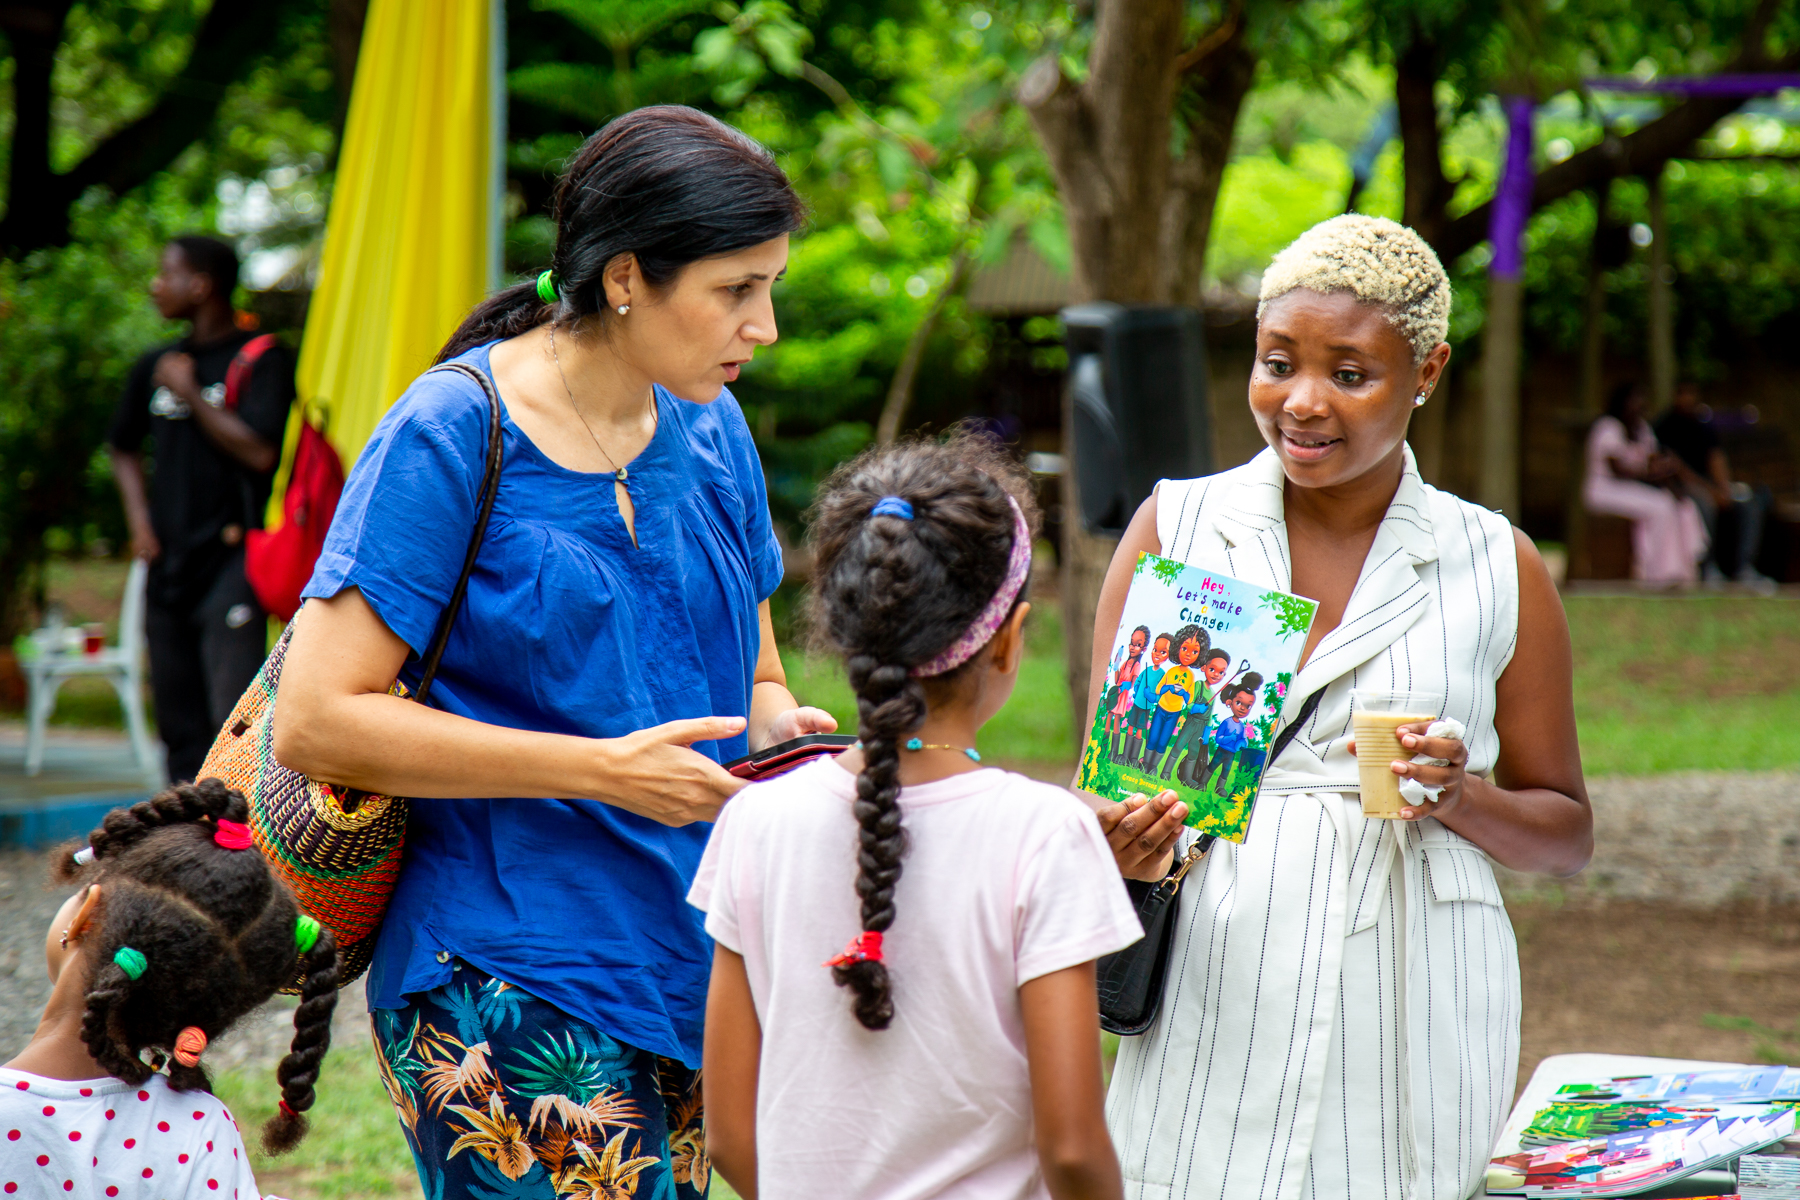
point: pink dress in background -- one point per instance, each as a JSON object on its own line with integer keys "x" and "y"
{"x": 1668, "y": 538}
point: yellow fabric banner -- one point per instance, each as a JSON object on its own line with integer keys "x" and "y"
{"x": 410, "y": 239}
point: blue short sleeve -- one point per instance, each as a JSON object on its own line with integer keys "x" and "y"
{"x": 408, "y": 509}
{"x": 573, "y": 624}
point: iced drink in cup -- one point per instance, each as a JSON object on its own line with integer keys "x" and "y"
{"x": 1375, "y": 715}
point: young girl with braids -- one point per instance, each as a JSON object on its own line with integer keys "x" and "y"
{"x": 952, "y": 1049}
{"x": 178, "y": 931}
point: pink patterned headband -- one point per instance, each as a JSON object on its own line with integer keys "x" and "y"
{"x": 985, "y": 625}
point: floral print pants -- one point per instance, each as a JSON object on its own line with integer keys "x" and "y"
{"x": 503, "y": 1096}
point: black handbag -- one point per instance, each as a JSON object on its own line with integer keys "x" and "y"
{"x": 1130, "y": 981}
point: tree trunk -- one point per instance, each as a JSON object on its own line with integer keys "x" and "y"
{"x": 1427, "y": 191}
{"x": 1108, "y": 144}
{"x": 900, "y": 390}
{"x": 1593, "y": 333}
{"x": 1216, "y": 86}
{"x": 1139, "y": 223}
{"x": 1499, "y": 480}
{"x": 1662, "y": 300}
{"x": 35, "y": 30}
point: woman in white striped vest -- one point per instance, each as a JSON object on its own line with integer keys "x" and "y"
{"x": 1342, "y": 1012}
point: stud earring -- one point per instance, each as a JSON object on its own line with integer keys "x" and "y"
{"x": 65, "y": 939}
{"x": 623, "y": 309}
{"x": 1420, "y": 398}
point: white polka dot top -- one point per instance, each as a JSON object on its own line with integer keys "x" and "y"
{"x": 95, "y": 1139}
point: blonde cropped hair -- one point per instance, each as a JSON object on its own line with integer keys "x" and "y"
{"x": 1376, "y": 260}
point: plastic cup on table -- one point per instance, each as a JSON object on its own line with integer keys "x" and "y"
{"x": 93, "y": 637}
{"x": 1375, "y": 715}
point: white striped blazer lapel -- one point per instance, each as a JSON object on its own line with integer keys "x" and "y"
{"x": 1389, "y": 598}
{"x": 1251, "y": 520}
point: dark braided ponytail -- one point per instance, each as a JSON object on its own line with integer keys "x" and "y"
{"x": 299, "y": 1071}
{"x": 191, "y": 934}
{"x": 890, "y": 594}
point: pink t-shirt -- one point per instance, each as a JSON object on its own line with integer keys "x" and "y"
{"x": 96, "y": 1139}
{"x": 1005, "y": 879}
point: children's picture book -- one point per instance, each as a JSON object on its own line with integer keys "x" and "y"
{"x": 1570, "y": 1120}
{"x": 1194, "y": 691}
{"x": 1615, "y": 1125}
{"x": 1734, "y": 1086}
{"x": 1637, "y": 1160}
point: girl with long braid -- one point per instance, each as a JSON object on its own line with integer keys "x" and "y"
{"x": 178, "y": 931}
{"x": 976, "y": 901}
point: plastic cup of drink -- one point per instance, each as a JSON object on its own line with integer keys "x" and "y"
{"x": 1374, "y": 716}
{"x": 93, "y": 637}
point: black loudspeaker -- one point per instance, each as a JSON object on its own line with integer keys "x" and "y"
{"x": 1137, "y": 388}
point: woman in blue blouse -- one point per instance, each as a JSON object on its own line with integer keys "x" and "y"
{"x": 539, "y": 984}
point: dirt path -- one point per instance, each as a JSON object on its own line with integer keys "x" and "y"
{"x": 1643, "y": 978}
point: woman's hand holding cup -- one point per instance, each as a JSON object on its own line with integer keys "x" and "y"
{"x": 1449, "y": 779}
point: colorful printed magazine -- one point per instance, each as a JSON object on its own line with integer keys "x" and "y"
{"x": 1194, "y": 692}
{"x": 1623, "y": 1164}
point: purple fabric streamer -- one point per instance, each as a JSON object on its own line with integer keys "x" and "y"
{"x": 1512, "y": 199}
{"x": 1699, "y": 85}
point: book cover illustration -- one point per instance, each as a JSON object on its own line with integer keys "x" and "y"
{"x": 1637, "y": 1160}
{"x": 1571, "y": 1120}
{"x": 1194, "y": 690}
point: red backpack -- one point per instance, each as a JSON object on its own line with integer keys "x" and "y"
{"x": 279, "y": 563}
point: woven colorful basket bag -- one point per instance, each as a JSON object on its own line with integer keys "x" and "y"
{"x": 338, "y": 849}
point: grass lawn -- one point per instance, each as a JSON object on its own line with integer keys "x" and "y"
{"x": 1688, "y": 683}
{"x": 355, "y": 1148}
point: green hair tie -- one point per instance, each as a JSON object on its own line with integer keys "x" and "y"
{"x": 306, "y": 933}
{"x": 130, "y": 961}
{"x": 547, "y": 287}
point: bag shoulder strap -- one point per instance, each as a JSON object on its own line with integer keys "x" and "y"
{"x": 238, "y": 373}
{"x": 490, "y": 487}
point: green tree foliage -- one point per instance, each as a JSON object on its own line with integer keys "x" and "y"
{"x": 74, "y": 320}
{"x": 1737, "y": 270}
{"x": 897, "y": 125}
{"x": 74, "y": 317}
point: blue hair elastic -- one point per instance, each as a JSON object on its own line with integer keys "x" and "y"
{"x": 892, "y": 506}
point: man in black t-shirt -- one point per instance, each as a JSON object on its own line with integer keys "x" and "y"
{"x": 1686, "y": 430}
{"x": 211, "y": 466}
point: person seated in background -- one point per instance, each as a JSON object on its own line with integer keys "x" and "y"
{"x": 1686, "y": 430}
{"x": 1630, "y": 475}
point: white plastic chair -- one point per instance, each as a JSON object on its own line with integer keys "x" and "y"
{"x": 123, "y": 664}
